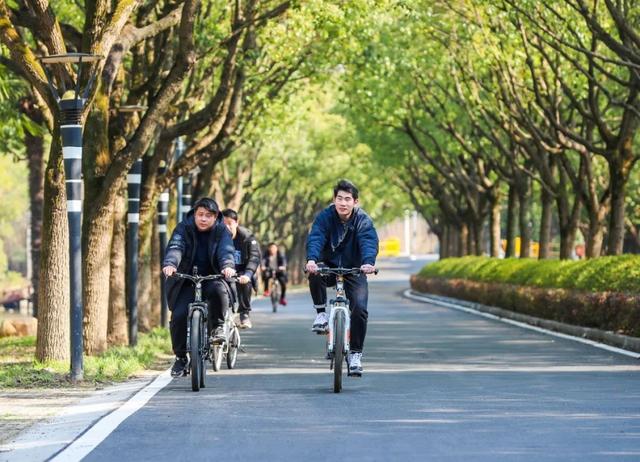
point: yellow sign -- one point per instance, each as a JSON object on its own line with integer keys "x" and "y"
{"x": 390, "y": 247}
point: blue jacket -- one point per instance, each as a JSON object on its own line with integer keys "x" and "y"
{"x": 350, "y": 245}
{"x": 182, "y": 247}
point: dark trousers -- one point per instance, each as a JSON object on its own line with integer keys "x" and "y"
{"x": 244, "y": 297}
{"x": 216, "y": 293}
{"x": 357, "y": 291}
{"x": 282, "y": 279}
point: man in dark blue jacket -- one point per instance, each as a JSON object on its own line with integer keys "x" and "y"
{"x": 200, "y": 240}
{"x": 343, "y": 235}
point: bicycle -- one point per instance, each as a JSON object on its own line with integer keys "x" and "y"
{"x": 339, "y": 333}
{"x": 274, "y": 289}
{"x": 228, "y": 348}
{"x": 198, "y": 342}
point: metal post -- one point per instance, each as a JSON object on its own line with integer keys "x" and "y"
{"x": 407, "y": 233}
{"x": 163, "y": 215}
{"x": 71, "y": 104}
{"x": 134, "y": 178}
{"x": 71, "y": 130}
{"x": 186, "y": 197}
{"x": 179, "y": 151}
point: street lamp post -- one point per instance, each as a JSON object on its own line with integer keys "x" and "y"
{"x": 134, "y": 179}
{"x": 180, "y": 148}
{"x": 163, "y": 215}
{"x": 71, "y": 104}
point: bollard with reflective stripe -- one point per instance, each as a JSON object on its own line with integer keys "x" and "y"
{"x": 185, "y": 206}
{"x": 134, "y": 178}
{"x": 163, "y": 215}
{"x": 72, "y": 156}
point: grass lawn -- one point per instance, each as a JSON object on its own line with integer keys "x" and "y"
{"x": 19, "y": 369}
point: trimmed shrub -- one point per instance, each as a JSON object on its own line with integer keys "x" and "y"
{"x": 603, "y": 293}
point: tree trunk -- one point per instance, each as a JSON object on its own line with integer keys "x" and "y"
{"x": 444, "y": 242}
{"x": 35, "y": 157}
{"x": 463, "y": 239}
{"x": 617, "y": 185}
{"x": 524, "y": 217}
{"x": 155, "y": 271}
{"x": 117, "y": 331}
{"x": 545, "y": 224}
{"x": 511, "y": 222}
{"x": 144, "y": 273}
{"x": 494, "y": 227}
{"x": 53, "y": 341}
{"x": 595, "y": 238}
{"x": 97, "y": 267}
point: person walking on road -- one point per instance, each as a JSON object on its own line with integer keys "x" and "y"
{"x": 201, "y": 240}
{"x": 247, "y": 261}
{"x": 343, "y": 235}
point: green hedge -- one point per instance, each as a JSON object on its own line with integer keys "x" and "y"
{"x": 605, "y": 274}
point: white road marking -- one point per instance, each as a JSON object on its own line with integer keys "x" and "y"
{"x": 105, "y": 426}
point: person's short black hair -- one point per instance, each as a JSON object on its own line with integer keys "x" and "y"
{"x": 272, "y": 243}
{"x": 230, "y": 213}
{"x": 206, "y": 203}
{"x": 346, "y": 186}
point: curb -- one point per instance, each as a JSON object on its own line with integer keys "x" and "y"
{"x": 49, "y": 438}
{"x": 623, "y": 344}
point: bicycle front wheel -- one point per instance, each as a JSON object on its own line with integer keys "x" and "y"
{"x": 197, "y": 379}
{"x": 275, "y": 297}
{"x": 338, "y": 350}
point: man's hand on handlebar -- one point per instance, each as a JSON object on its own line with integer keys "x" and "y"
{"x": 228, "y": 273}
{"x": 311, "y": 267}
{"x": 244, "y": 279}
{"x": 368, "y": 269}
{"x": 169, "y": 270}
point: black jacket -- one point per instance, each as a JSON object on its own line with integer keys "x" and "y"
{"x": 182, "y": 247}
{"x": 350, "y": 245}
{"x": 249, "y": 252}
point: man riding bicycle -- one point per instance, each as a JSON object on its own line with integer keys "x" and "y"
{"x": 247, "y": 260}
{"x": 343, "y": 235}
{"x": 200, "y": 240}
{"x": 274, "y": 264}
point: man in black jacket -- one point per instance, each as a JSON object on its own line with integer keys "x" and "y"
{"x": 343, "y": 235}
{"x": 201, "y": 240}
{"x": 247, "y": 260}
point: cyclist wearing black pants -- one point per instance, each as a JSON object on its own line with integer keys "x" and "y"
{"x": 274, "y": 262}
{"x": 247, "y": 260}
{"x": 343, "y": 235}
{"x": 200, "y": 240}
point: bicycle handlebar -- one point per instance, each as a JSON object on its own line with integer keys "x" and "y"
{"x": 198, "y": 278}
{"x": 323, "y": 270}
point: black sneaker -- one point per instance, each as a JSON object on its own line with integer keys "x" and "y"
{"x": 245, "y": 321}
{"x": 179, "y": 367}
{"x": 218, "y": 336}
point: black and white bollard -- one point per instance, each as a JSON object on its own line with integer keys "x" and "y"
{"x": 134, "y": 178}
{"x": 185, "y": 205}
{"x": 71, "y": 131}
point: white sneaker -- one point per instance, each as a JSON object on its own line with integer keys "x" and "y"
{"x": 321, "y": 323}
{"x": 355, "y": 365}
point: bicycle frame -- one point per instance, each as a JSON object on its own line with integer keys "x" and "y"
{"x": 339, "y": 304}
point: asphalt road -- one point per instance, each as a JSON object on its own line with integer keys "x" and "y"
{"x": 439, "y": 384}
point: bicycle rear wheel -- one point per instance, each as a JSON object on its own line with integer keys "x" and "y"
{"x": 195, "y": 345}
{"x": 338, "y": 350}
{"x": 234, "y": 345}
{"x": 217, "y": 351}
